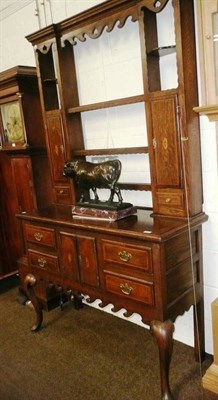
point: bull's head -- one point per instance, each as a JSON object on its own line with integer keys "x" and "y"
{"x": 69, "y": 168}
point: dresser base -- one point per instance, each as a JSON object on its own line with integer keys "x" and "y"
{"x": 162, "y": 331}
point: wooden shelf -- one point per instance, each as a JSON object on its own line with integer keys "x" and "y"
{"x": 162, "y": 51}
{"x": 135, "y": 186}
{"x": 106, "y": 104}
{"x": 118, "y": 150}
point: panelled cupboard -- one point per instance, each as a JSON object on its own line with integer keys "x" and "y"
{"x": 22, "y": 155}
{"x": 151, "y": 262}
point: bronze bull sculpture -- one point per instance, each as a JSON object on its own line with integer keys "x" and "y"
{"x": 93, "y": 176}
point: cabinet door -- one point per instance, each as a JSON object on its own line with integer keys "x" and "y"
{"x": 88, "y": 261}
{"x": 78, "y": 259}
{"x": 18, "y": 195}
{"x": 23, "y": 178}
{"x": 166, "y": 142}
{"x": 68, "y": 256}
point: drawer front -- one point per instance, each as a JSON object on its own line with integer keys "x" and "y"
{"x": 63, "y": 195}
{"x": 39, "y": 235}
{"x": 88, "y": 261}
{"x": 121, "y": 253}
{"x": 42, "y": 261}
{"x": 143, "y": 292}
{"x": 170, "y": 199}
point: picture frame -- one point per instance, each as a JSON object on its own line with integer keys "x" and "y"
{"x": 13, "y": 131}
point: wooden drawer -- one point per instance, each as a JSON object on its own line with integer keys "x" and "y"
{"x": 170, "y": 199}
{"x": 62, "y": 195}
{"x": 121, "y": 253}
{"x": 39, "y": 235}
{"x": 43, "y": 261}
{"x": 143, "y": 292}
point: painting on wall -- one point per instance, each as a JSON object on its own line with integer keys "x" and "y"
{"x": 12, "y": 125}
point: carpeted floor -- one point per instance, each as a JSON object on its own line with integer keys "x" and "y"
{"x": 85, "y": 355}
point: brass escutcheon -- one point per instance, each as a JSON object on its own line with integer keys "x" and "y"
{"x": 38, "y": 236}
{"x": 42, "y": 262}
{"x": 124, "y": 255}
{"x": 126, "y": 289}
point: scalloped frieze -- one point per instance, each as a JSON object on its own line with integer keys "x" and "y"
{"x": 95, "y": 29}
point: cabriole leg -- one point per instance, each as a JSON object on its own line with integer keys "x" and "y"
{"x": 29, "y": 283}
{"x": 163, "y": 333}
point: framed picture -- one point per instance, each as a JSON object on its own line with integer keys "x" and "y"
{"x": 13, "y": 134}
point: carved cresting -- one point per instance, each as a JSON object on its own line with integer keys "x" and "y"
{"x": 126, "y": 9}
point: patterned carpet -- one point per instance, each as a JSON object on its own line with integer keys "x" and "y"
{"x": 85, "y": 355}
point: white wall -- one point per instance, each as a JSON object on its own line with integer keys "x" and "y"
{"x": 15, "y": 24}
{"x": 14, "y": 48}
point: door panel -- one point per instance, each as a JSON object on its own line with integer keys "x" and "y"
{"x": 88, "y": 261}
{"x": 68, "y": 256}
{"x": 56, "y": 145}
{"x": 166, "y": 141}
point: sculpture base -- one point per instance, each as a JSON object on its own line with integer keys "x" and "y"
{"x": 103, "y": 211}
{"x": 104, "y": 205}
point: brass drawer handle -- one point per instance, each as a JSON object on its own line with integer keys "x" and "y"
{"x": 42, "y": 262}
{"x": 38, "y": 236}
{"x": 124, "y": 255}
{"x": 168, "y": 200}
{"x": 126, "y": 289}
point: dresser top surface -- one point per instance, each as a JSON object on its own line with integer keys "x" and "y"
{"x": 142, "y": 225}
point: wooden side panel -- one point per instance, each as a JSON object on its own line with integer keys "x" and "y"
{"x": 183, "y": 270}
{"x": 42, "y": 179}
{"x": 56, "y": 145}
{"x": 178, "y": 249}
{"x": 23, "y": 178}
{"x": 187, "y": 73}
